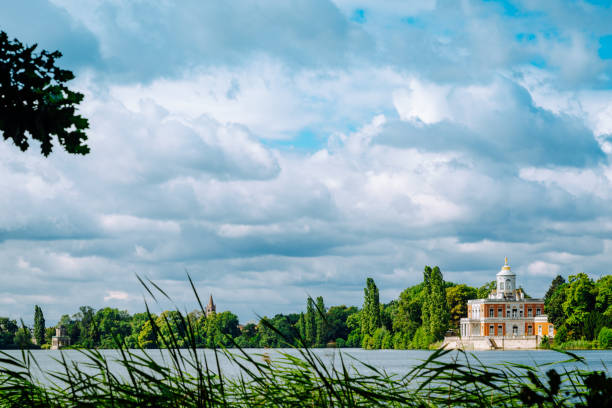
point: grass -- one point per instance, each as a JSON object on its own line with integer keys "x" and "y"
{"x": 190, "y": 379}
{"x": 578, "y": 345}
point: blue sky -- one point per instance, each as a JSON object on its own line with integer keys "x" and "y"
{"x": 281, "y": 149}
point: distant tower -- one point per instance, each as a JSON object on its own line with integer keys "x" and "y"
{"x": 211, "y": 306}
{"x": 61, "y": 338}
{"x": 506, "y": 282}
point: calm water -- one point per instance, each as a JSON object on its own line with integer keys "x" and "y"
{"x": 392, "y": 361}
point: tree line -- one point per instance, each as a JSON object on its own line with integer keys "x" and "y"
{"x": 580, "y": 309}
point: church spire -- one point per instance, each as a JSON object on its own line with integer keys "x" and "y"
{"x": 211, "y": 306}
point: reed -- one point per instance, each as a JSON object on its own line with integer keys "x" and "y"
{"x": 189, "y": 379}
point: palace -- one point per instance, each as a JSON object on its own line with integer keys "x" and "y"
{"x": 505, "y": 319}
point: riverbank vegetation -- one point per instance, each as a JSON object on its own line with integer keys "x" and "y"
{"x": 580, "y": 308}
{"x": 186, "y": 378}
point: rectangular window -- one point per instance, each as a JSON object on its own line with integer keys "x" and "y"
{"x": 529, "y": 312}
{"x": 540, "y": 330}
{"x": 507, "y": 313}
{"x": 529, "y": 330}
{"x": 500, "y": 330}
{"x": 538, "y": 311}
{"x": 491, "y": 330}
{"x": 491, "y": 312}
{"x": 500, "y": 312}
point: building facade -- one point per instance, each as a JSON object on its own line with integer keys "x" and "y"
{"x": 506, "y": 313}
{"x": 61, "y": 338}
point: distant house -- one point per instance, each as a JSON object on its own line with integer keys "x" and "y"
{"x": 61, "y": 338}
{"x": 505, "y": 319}
{"x": 506, "y": 312}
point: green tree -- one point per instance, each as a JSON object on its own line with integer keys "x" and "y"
{"x": 8, "y": 329}
{"x": 603, "y": 300}
{"x": 137, "y": 322}
{"x": 35, "y": 101}
{"x": 353, "y": 323}
{"x": 39, "y": 326}
{"x": 112, "y": 324}
{"x": 370, "y": 313}
{"x": 457, "y": 298}
{"x": 249, "y": 337}
{"x": 556, "y": 283}
{"x": 407, "y": 317}
{"x": 321, "y": 323}
{"x": 605, "y": 338}
{"x": 147, "y": 338}
{"x": 311, "y": 324}
{"x": 337, "y": 319}
{"x": 580, "y": 300}
{"x": 485, "y": 290}
{"x": 553, "y": 305}
{"x": 435, "y": 315}
{"x": 23, "y": 338}
{"x": 301, "y": 326}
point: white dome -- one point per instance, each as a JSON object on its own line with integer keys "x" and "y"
{"x": 505, "y": 270}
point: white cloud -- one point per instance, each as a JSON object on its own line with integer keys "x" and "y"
{"x": 422, "y": 102}
{"x": 276, "y": 161}
{"x": 116, "y": 295}
{"x": 541, "y": 268}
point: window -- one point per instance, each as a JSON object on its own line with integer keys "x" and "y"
{"x": 508, "y": 284}
{"x": 491, "y": 330}
{"x": 521, "y": 312}
{"x": 529, "y": 330}
{"x": 500, "y": 312}
{"x": 529, "y": 312}
{"x": 507, "y": 313}
{"x": 540, "y": 330}
{"x": 491, "y": 312}
{"x": 501, "y": 285}
{"x": 515, "y": 330}
{"x": 514, "y": 313}
{"x": 500, "y": 330}
{"x": 538, "y": 311}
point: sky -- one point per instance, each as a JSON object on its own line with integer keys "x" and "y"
{"x": 282, "y": 149}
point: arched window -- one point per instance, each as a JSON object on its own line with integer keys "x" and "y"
{"x": 501, "y": 285}
{"x": 508, "y": 284}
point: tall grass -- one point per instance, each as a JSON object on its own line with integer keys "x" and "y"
{"x": 190, "y": 379}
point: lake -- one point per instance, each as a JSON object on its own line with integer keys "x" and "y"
{"x": 392, "y": 361}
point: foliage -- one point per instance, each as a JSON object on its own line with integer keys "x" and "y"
{"x": 605, "y": 338}
{"x": 457, "y": 298}
{"x": 580, "y": 307}
{"x": 8, "y": 329}
{"x": 39, "y": 326}
{"x": 187, "y": 380}
{"x": 370, "y": 313}
{"x": 435, "y": 315}
{"x": 338, "y": 322}
{"x": 485, "y": 290}
{"x": 556, "y": 283}
{"x": 35, "y": 101}
{"x": 321, "y": 323}
{"x": 310, "y": 322}
{"x": 23, "y": 338}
